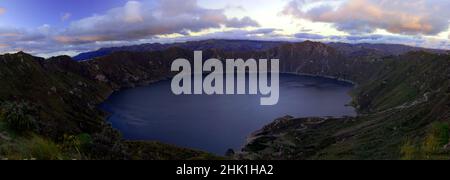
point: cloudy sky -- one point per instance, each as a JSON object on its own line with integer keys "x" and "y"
{"x": 55, "y": 27}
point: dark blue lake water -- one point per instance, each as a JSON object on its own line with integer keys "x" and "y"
{"x": 219, "y": 122}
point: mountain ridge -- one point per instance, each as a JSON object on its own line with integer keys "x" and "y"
{"x": 254, "y": 45}
{"x": 227, "y": 45}
{"x": 391, "y": 94}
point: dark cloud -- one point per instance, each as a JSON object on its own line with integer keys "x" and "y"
{"x": 13, "y": 35}
{"x": 364, "y": 16}
{"x": 264, "y": 31}
{"x": 138, "y": 19}
{"x": 142, "y": 21}
{"x": 365, "y": 38}
{"x": 37, "y": 40}
{"x": 135, "y": 22}
{"x": 48, "y": 47}
{"x": 257, "y": 34}
{"x": 241, "y": 23}
{"x": 309, "y": 36}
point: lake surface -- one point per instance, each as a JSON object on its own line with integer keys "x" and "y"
{"x": 219, "y": 122}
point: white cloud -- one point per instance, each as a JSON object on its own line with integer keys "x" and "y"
{"x": 146, "y": 21}
{"x": 138, "y": 20}
{"x": 133, "y": 12}
{"x": 428, "y": 17}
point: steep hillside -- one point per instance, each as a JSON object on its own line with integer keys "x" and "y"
{"x": 403, "y": 104}
{"x": 402, "y": 108}
{"x": 49, "y": 109}
{"x": 64, "y": 101}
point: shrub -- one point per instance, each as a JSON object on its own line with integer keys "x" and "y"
{"x": 442, "y": 132}
{"x": 19, "y": 117}
{"x": 108, "y": 145}
{"x": 437, "y": 138}
{"x": 41, "y": 149}
{"x": 432, "y": 147}
{"x": 85, "y": 140}
{"x": 409, "y": 151}
{"x": 76, "y": 144}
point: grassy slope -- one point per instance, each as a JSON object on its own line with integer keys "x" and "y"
{"x": 399, "y": 106}
{"x": 63, "y": 95}
{"x": 62, "y": 98}
{"x": 390, "y": 99}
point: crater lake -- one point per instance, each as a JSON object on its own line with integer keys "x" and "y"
{"x": 216, "y": 123}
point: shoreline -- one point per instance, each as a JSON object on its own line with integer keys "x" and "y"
{"x": 166, "y": 78}
{"x": 322, "y": 76}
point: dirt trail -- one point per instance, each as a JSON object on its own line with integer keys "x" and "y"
{"x": 424, "y": 99}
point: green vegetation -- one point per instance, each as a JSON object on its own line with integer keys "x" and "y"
{"x": 48, "y": 109}
{"x": 76, "y": 144}
{"x": 432, "y": 147}
{"x": 437, "y": 138}
{"x": 159, "y": 151}
{"x": 410, "y": 151}
{"x": 18, "y": 117}
{"x": 404, "y": 114}
{"x": 48, "y": 106}
{"x": 29, "y": 148}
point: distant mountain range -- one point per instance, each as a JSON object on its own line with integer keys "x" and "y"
{"x": 378, "y": 49}
{"x": 225, "y": 45}
{"x": 364, "y": 49}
